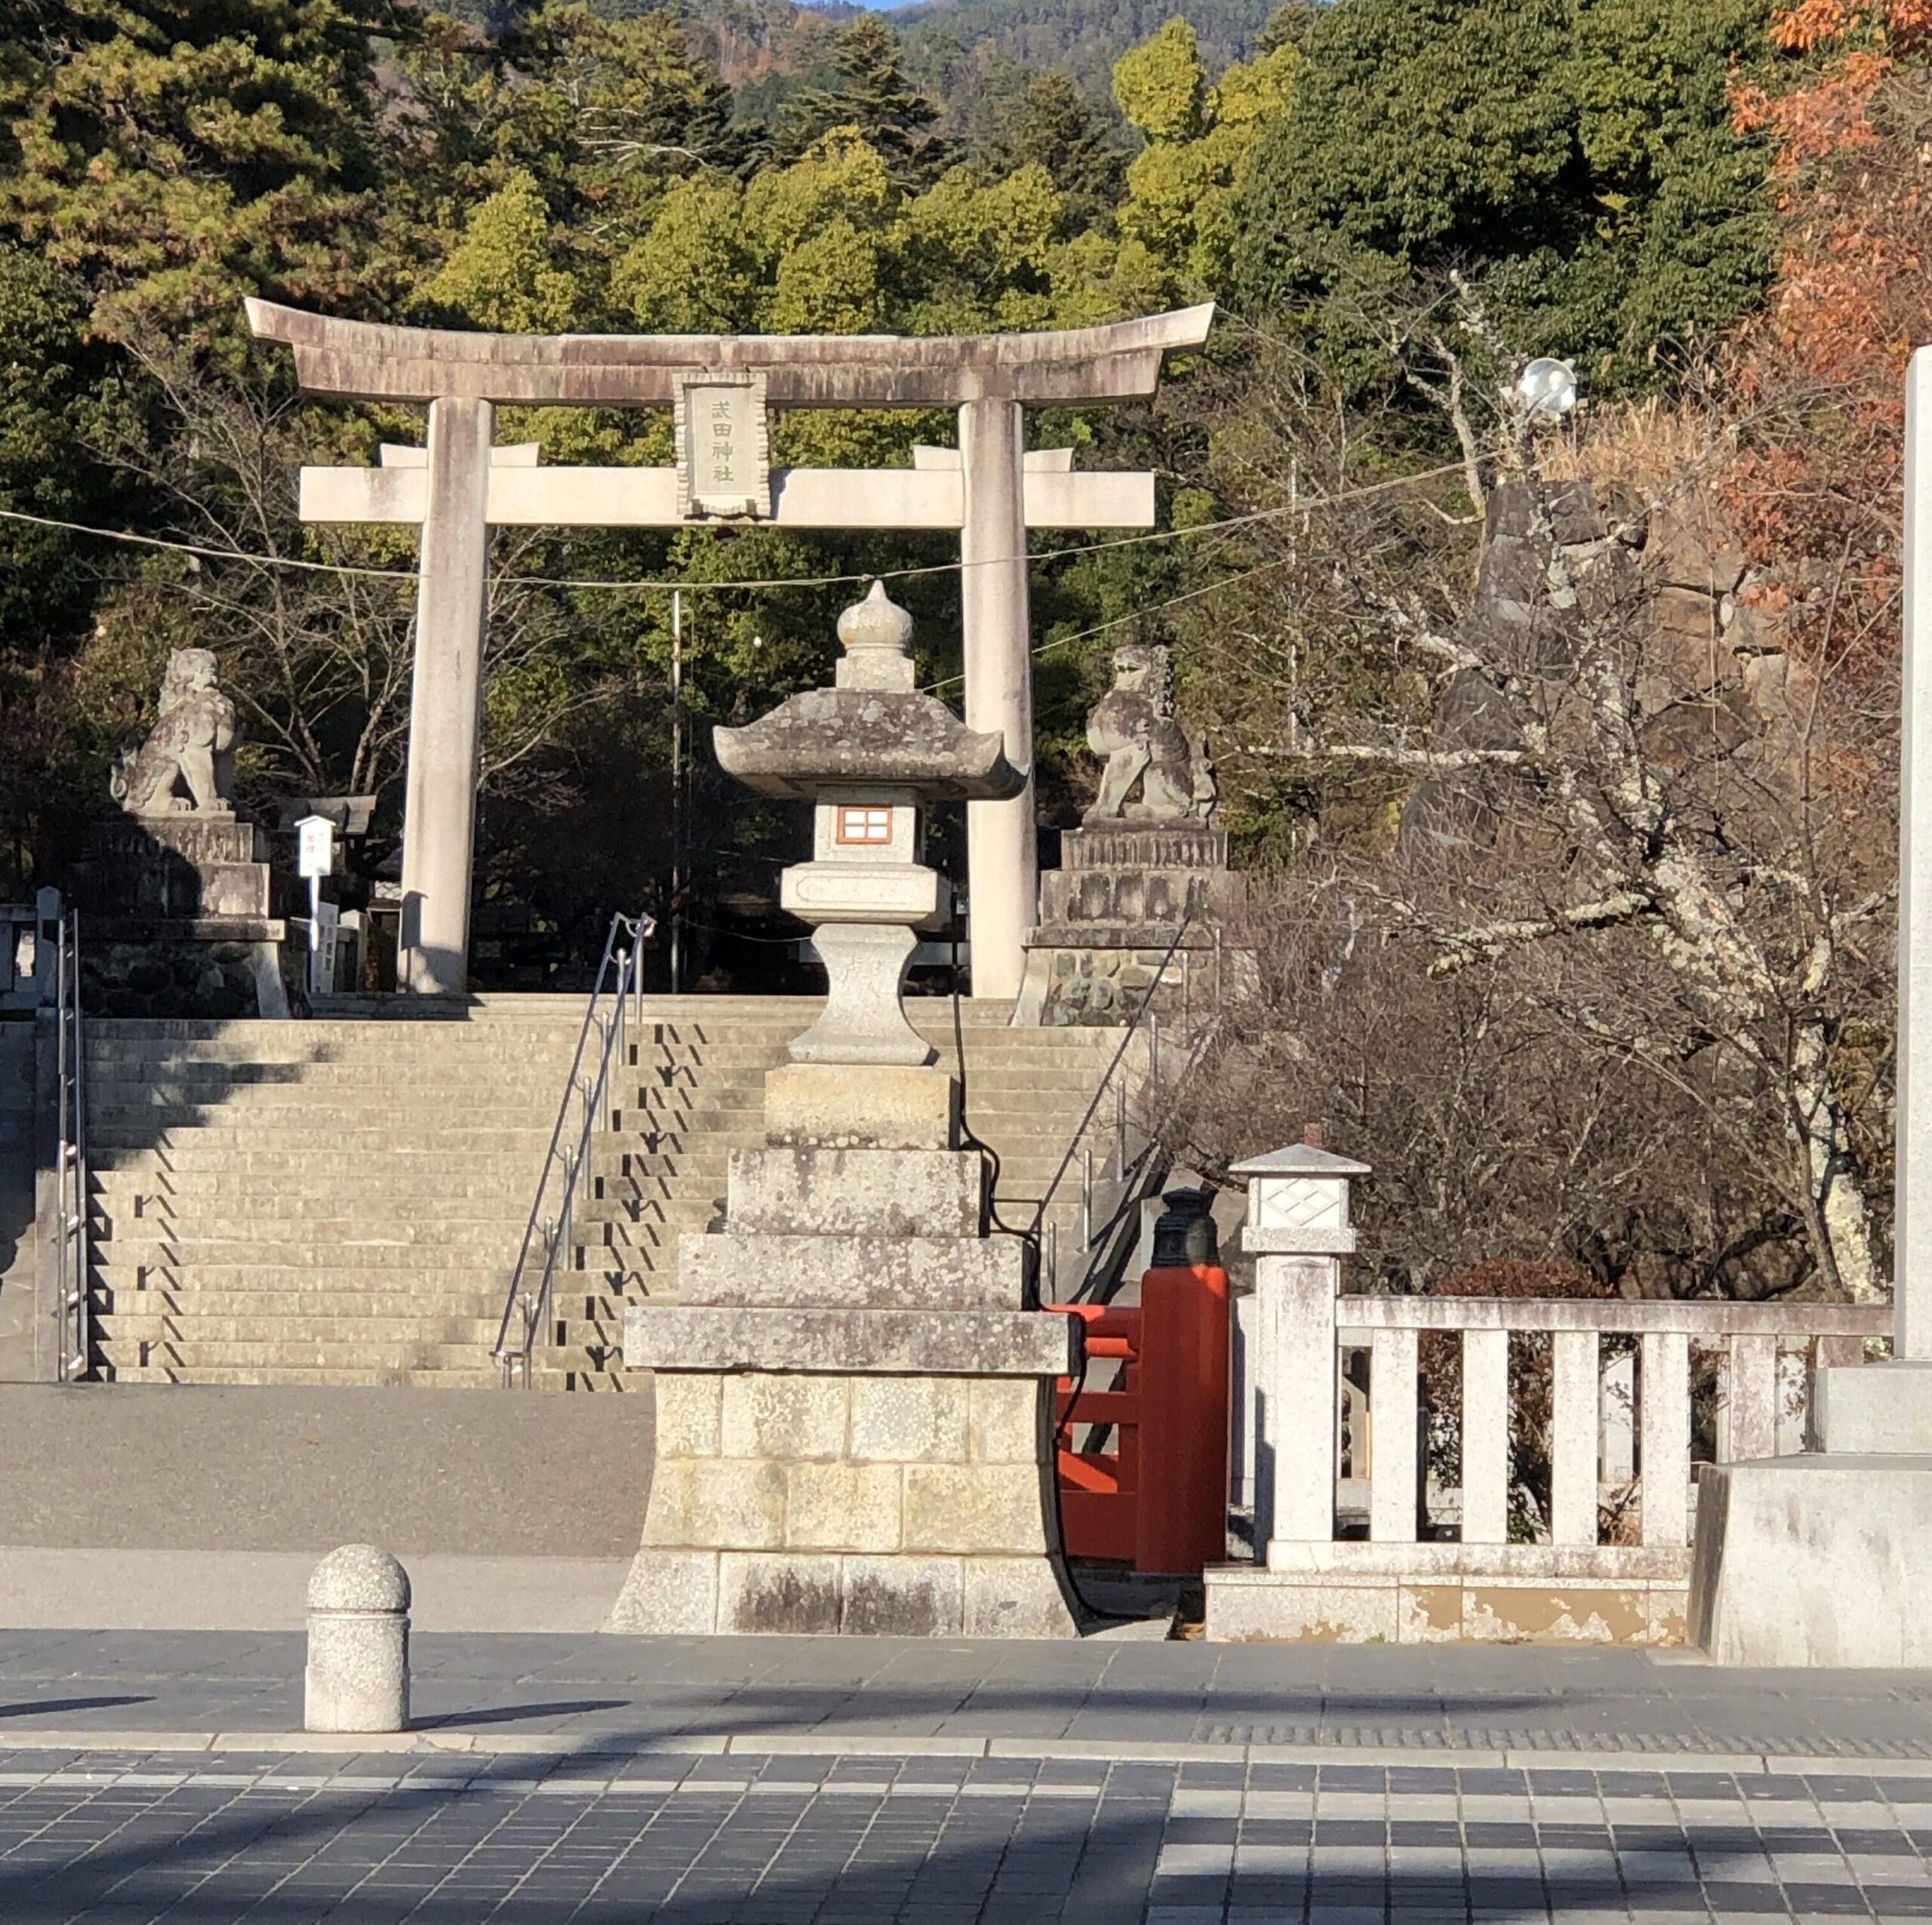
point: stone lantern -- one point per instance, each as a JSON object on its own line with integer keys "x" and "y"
{"x": 855, "y": 1423}
{"x": 868, "y": 751}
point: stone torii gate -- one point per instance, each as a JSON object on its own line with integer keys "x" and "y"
{"x": 719, "y": 386}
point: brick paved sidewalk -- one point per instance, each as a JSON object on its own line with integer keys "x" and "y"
{"x": 649, "y": 1779}
{"x": 129, "y": 1839}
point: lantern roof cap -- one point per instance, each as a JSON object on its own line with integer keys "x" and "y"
{"x": 1300, "y": 1159}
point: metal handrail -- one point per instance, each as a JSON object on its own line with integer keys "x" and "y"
{"x": 75, "y": 1358}
{"x": 1124, "y": 1171}
{"x": 528, "y": 1301}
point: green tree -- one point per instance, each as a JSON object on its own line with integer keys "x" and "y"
{"x": 872, "y": 94}
{"x": 500, "y": 274}
{"x": 1181, "y": 187}
{"x": 1053, "y": 125}
{"x": 175, "y": 154}
{"x": 1580, "y": 155}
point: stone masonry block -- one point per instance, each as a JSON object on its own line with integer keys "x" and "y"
{"x": 716, "y": 1501}
{"x": 878, "y": 1106}
{"x": 965, "y": 1343}
{"x": 850, "y": 1272}
{"x": 1004, "y": 1420}
{"x": 911, "y": 1420}
{"x": 1013, "y": 1597}
{"x": 782, "y": 1592}
{"x": 784, "y": 1416}
{"x": 973, "y": 1508}
{"x": 688, "y": 1407}
{"x": 668, "y": 1594}
{"x": 808, "y": 1191}
{"x": 843, "y": 1507}
{"x": 903, "y": 1597}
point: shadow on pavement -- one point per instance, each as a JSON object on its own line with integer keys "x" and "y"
{"x": 512, "y": 1714}
{"x": 45, "y": 1707}
{"x": 362, "y": 1858}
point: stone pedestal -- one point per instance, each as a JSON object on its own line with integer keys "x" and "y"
{"x": 178, "y": 919}
{"x": 1826, "y": 1559}
{"x": 854, "y": 1410}
{"x": 1109, "y": 913}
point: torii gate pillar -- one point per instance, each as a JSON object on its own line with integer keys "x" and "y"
{"x": 446, "y": 702}
{"x": 1002, "y": 850}
{"x": 992, "y": 493}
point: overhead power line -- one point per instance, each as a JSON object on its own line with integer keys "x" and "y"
{"x": 200, "y": 551}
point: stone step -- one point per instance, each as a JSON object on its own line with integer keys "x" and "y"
{"x": 322, "y": 1354}
{"x": 289, "y": 1049}
{"x": 303, "y": 1302}
{"x": 386, "y": 1333}
{"x": 116, "y": 1193}
{"x": 352, "y": 1013}
{"x": 194, "y": 1150}
{"x": 342, "y": 1235}
{"x": 209, "y": 1256}
{"x": 447, "y": 1378}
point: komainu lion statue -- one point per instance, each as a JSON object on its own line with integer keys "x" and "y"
{"x": 190, "y": 747}
{"x": 1134, "y": 729}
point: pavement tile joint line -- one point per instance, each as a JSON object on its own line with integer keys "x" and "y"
{"x": 456, "y": 1744}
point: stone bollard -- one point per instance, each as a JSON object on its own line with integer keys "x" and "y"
{"x": 358, "y": 1678}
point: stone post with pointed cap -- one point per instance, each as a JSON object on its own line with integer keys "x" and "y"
{"x": 855, "y": 1428}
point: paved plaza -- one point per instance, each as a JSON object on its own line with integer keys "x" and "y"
{"x": 148, "y": 1776}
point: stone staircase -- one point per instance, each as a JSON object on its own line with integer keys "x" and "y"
{"x": 340, "y": 1201}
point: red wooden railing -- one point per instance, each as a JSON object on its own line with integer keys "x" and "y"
{"x": 1158, "y": 1498}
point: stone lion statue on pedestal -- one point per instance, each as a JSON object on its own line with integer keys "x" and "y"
{"x": 1134, "y": 729}
{"x": 185, "y": 766}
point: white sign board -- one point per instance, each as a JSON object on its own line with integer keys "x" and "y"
{"x": 723, "y": 456}
{"x": 315, "y": 846}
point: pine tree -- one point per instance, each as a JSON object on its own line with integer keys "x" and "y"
{"x": 174, "y": 154}
{"x": 1054, "y": 123}
{"x": 873, "y": 95}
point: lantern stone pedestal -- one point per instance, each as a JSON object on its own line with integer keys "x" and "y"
{"x": 854, "y": 1394}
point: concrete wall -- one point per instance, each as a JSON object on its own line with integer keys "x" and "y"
{"x": 193, "y": 1467}
{"x": 16, "y": 1200}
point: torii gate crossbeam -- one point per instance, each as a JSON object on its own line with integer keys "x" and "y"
{"x": 459, "y": 488}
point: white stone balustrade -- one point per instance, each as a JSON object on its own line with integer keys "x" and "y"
{"x": 1415, "y": 1579}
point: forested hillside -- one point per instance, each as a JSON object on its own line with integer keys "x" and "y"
{"x": 1563, "y": 866}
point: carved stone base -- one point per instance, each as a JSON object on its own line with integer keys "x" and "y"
{"x": 133, "y": 966}
{"x": 180, "y": 867}
{"x": 1136, "y": 874}
{"x": 177, "y": 919}
{"x": 1109, "y": 915}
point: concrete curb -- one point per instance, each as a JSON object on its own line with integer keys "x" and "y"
{"x": 459, "y": 1743}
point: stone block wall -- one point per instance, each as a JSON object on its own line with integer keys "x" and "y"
{"x": 878, "y": 1505}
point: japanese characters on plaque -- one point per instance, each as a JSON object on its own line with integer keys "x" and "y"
{"x": 723, "y": 460}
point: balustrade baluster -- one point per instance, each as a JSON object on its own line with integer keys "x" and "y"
{"x": 1573, "y": 1425}
{"x": 1485, "y": 1437}
{"x": 1664, "y": 1386}
{"x": 1392, "y": 1417}
{"x": 1750, "y": 1399}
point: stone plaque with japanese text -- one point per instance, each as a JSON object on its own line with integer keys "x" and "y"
{"x": 724, "y": 466}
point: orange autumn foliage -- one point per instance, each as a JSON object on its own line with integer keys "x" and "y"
{"x": 1813, "y": 491}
